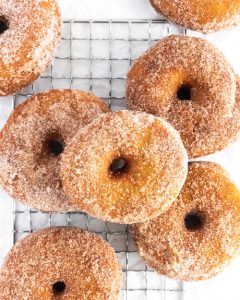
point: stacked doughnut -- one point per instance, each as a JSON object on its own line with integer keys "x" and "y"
{"x": 63, "y": 150}
{"x": 33, "y": 139}
{"x": 188, "y": 82}
{"x": 200, "y": 234}
{"x": 124, "y": 167}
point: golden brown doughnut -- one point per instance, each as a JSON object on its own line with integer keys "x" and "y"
{"x": 200, "y": 234}
{"x": 124, "y": 167}
{"x": 61, "y": 263}
{"x": 189, "y": 83}
{"x": 32, "y": 141}
{"x": 205, "y": 16}
{"x": 30, "y": 31}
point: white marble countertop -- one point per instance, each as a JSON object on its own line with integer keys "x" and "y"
{"x": 224, "y": 286}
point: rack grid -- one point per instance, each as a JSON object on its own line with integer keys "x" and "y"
{"x": 95, "y": 56}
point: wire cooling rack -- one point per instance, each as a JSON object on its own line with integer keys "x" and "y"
{"x": 95, "y": 56}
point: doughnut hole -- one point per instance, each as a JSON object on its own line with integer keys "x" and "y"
{"x": 58, "y": 288}
{"x": 194, "y": 221}
{"x": 53, "y": 145}
{"x": 119, "y": 166}
{"x": 3, "y": 25}
{"x": 184, "y": 92}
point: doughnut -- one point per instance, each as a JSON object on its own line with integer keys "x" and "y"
{"x": 205, "y": 16}
{"x": 61, "y": 263}
{"x": 200, "y": 234}
{"x": 124, "y": 167}
{"x": 188, "y": 82}
{"x": 32, "y": 141}
{"x": 30, "y": 31}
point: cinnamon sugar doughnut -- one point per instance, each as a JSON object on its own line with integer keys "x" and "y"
{"x": 205, "y": 16}
{"x": 189, "y": 83}
{"x": 124, "y": 167}
{"x": 200, "y": 234}
{"x": 61, "y": 263}
{"x": 30, "y": 31}
{"x": 32, "y": 141}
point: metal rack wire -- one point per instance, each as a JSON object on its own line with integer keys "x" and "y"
{"x": 95, "y": 56}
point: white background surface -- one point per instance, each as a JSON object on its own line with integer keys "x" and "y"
{"x": 224, "y": 286}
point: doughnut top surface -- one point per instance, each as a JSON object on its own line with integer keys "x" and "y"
{"x": 205, "y": 16}
{"x": 30, "y": 31}
{"x": 200, "y": 234}
{"x": 188, "y": 82}
{"x": 32, "y": 142}
{"x": 61, "y": 263}
{"x": 124, "y": 167}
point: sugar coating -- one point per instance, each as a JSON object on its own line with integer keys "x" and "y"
{"x": 83, "y": 261}
{"x": 205, "y": 15}
{"x": 28, "y": 46}
{"x": 29, "y": 172}
{"x": 210, "y": 120}
{"x": 172, "y": 250}
{"x": 157, "y": 167}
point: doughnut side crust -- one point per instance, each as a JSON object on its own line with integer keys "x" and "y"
{"x": 28, "y": 46}
{"x": 177, "y": 252}
{"x": 29, "y": 170}
{"x": 205, "y": 16}
{"x": 86, "y": 264}
{"x": 202, "y": 121}
{"x": 156, "y": 167}
{"x": 227, "y": 133}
